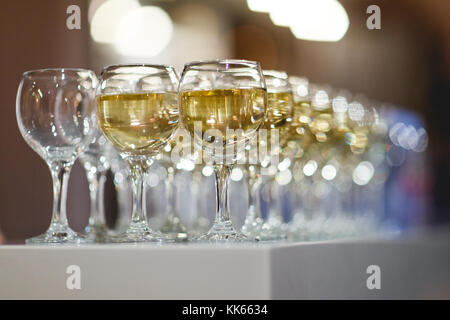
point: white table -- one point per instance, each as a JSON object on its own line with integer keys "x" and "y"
{"x": 416, "y": 266}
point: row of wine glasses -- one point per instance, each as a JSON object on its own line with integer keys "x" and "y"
{"x": 278, "y": 129}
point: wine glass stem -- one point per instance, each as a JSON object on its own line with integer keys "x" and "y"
{"x": 139, "y": 216}
{"x": 96, "y": 189}
{"x": 60, "y": 175}
{"x": 274, "y": 196}
{"x": 170, "y": 189}
{"x": 222, "y": 173}
{"x": 253, "y": 185}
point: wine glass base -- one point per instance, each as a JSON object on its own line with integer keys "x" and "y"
{"x": 273, "y": 232}
{"x": 297, "y": 227}
{"x": 97, "y": 233}
{"x": 223, "y": 232}
{"x": 139, "y": 237}
{"x": 308, "y": 230}
{"x": 174, "y": 230}
{"x": 176, "y": 236}
{"x": 58, "y": 235}
{"x": 252, "y": 228}
{"x": 220, "y": 237}
{"x": 199, "y": 227}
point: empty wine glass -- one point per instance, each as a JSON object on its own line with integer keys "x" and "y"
{"x": 280, "y": 103}
{"x": 96, "y": 163}
{"x": 200, "y": 222}
{"x": 172, "y": 227}
{"x": 253, "y": 221}
{"x": 137, "y": 110}
{"x": 55, "y": 113}
{"x": 122, "y": 186}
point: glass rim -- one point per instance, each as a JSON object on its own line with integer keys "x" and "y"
{"x": 131, "y": 65}
{"x": 249, "y": 63}
{"x": 298, "y": 79}
{"x": 55, "y": 70}
{"x": 280, "y": 74}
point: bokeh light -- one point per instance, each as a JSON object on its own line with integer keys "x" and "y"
{"x": 363, "y": 173}
{"x": 105, "y": 18}
{"x": 129, "y": 27}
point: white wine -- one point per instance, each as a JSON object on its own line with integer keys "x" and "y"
{"x": 138, "y": 123}
{"x": 223, "y": 109}
{"x": 299, "y": 136}
{"x": 279, "y": 112}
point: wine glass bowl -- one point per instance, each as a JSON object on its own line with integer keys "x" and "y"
{"x": 55, "y": 111}
{"x": 138, "y": 108}
{"x": 226, "y": 98}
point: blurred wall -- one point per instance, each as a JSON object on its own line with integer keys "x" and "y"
{"x": 34, "y": 35}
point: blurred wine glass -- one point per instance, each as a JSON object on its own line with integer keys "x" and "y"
{"x": 280, "y": 105}
{"x": 96, "y": 160}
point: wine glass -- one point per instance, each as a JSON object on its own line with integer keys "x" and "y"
{"x": 137, "y": 110}
{"x": 200, "y": 222}
{"x": 122, "y": 186}
{"x": 172, "y": 227}
{"x": 280, "y": 103}
{"x": 96, "y": 162}
{"x": 296, "y": 146}
{"x": 222, "y": 105}
{"x": 55, "y": 111}
{"x": 253, "y": 221}
{"x": 314, "y": 118}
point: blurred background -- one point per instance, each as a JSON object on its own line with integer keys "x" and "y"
{"x": 405, "y": 64}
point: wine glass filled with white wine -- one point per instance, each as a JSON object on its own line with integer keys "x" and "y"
{"x": 278, "y": 119}
{"x": 222, "y": 105}
{"x": 137, "y": 110}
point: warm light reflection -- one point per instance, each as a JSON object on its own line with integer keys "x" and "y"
{"x": 127, "y": 25}
{"x": 317, "y": 20}
{"x": 145, "y": 31}
{"x": 105, "y": 19}
{"x": 260, "y": 5}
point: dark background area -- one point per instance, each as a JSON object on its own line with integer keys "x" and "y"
{"x": 406, "y": 63}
